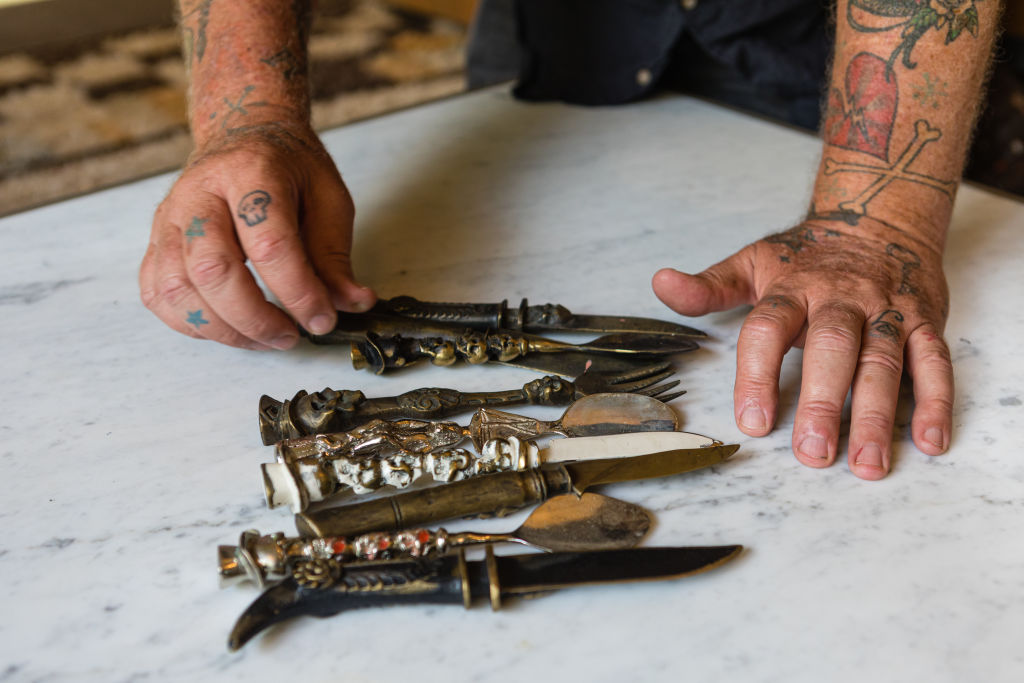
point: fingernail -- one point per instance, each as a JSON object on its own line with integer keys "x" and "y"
{"x": 871, "y": 456}
{"x": 752, "y": 418}
{"x": 321, "y": 324}
{"x": 360, "y": 305}
{"x": 285, "y": 341}
{"x": 933, "y": 435}
{"x": 814, "y": 447}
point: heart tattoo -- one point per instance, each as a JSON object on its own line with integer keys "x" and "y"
{"x": 862, "y": 117}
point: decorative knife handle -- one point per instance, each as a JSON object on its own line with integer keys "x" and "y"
{"x": 339, "y": 411}
{"x": 301, "y": 482}
{"x": 375, "y": 438}
{"x": 259, "y": 558}
{"x": 495, "y": 494}
{"x": 478, "y": 316}
{"x": 380, "y": 353}
{"x": 489, "y": 424}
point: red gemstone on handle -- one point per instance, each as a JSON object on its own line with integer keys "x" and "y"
{"x": 338, "y": 546}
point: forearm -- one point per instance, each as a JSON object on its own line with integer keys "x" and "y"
{"x": 247, "y": 64}
{"x": 903, "y": 97}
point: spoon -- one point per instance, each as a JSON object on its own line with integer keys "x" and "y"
{"x": 594, "y": 415}
{"x": 563, "y": 523}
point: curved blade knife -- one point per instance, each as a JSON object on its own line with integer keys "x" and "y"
{"x": 323, "y": 588}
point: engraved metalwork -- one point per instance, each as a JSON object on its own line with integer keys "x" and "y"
{"x": 562, "y": 523}
{"x": 380, "y": 352}
{"x": 501, "y": 492}
{"x": 525, "y": 317}
{"x": 329, "y": 410}
{"x": 299, "y": 482}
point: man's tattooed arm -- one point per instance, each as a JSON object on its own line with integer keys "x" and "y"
{"x": 259, "y": 190}
{"x": 904, "y": 92}
{"x": 862, "y": 274}
{"x": 247, "y": 62}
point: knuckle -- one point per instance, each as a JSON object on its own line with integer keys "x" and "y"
{"x": 874, "y": 420}
{"x": 303, "y": 299}
{"x": 834, "y": 336}
{"x": 937, "y": 405}
{"x": 821, "y": 409}
{"x": 171, "y": 289}
{"x": 211, "y": 270}
{"x": 762, "y": 326}
{"x": 269, "y": 247}
{"x": 881, "y": 362}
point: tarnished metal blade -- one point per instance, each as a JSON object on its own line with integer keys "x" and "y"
{"x": 664, "y": 464}
{"x": 611, "y": 324}
{"x": 627, "y": 445}
{"x": 535, "y": 573}
{"x": 648, "y": 344}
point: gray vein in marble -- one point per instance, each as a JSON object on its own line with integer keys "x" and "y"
{"x": 34, "y": 292}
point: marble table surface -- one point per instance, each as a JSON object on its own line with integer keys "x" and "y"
{"x": 130, "y": 452}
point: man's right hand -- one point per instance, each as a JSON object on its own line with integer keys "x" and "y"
{"x": 270, "y": 194}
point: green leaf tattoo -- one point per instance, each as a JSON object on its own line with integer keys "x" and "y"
{"x": 955, "y": 16}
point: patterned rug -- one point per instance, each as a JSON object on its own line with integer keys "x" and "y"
{"x": 114, "y": 110}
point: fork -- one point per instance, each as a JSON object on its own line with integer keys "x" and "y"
{"x": 329, "y": 410}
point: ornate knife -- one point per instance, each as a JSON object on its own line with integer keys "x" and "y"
{"x": 527, "y": 318}
{"x": 500, "y": 493}
{"x": 297, "y": 483}
{"x": 324, "y": 587}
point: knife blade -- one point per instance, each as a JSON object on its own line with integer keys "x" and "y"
{"x": 500, "y": 493}
{"x": 297, "y": 482}
{"x": 324, "y": 587}
{"x": 527, "y": 318}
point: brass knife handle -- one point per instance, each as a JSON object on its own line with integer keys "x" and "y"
{"x": 479, "y": 316}
{"x": 490, "y": 494}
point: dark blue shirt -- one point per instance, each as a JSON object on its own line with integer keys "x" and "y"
{"x": 768, "y": 55}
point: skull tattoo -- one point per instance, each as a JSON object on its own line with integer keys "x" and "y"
{"x": 253, "y": 207}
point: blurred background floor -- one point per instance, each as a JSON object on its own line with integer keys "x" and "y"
{"x": 80, "y": 115}
{"x": 77, "y": 117}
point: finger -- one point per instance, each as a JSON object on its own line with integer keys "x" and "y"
{"x": 722, "y": 286}
{"x": 766, "y": 336}
{"x": 266, "y": 221}
{"x": 168, "y": 293}
{"x": 876, "y": 386}
{"x": 929, "y": 365}
{"x": 328, "y": 227}
{"x": 216, "y": 267}
{"x": 830, "y": 357}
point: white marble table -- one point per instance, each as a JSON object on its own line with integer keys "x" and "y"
{"x": 128, "y": 452}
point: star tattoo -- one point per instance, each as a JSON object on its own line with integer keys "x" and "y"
{"x": 196, "y": 318}
{"x": 195, "y": 229}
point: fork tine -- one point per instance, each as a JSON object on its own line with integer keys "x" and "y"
{"x": 639, "y": 373}
{"x": 657, "y": 389}
{"x": 635, "y": 387}
{"x": 670, "y": 397}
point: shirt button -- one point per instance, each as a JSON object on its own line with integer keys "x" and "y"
{"x": 643, "y": 77}
{"x": 689, "y": 4}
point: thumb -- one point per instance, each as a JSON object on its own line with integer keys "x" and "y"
{"x": 329, "y": 243}
{"x": 722, "y": 286}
